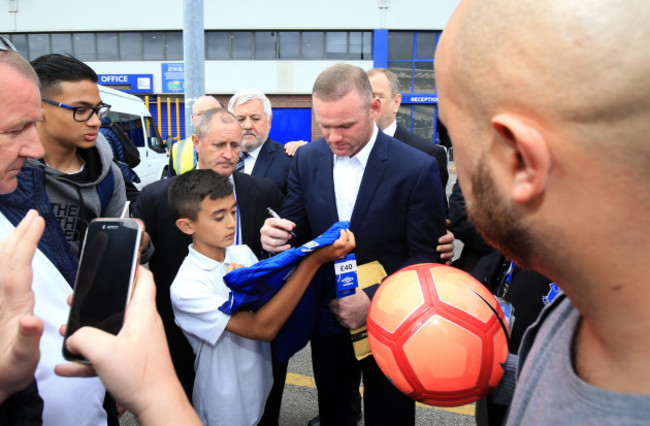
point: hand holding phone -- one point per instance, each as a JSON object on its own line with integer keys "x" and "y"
{"x": 107, "y": 266}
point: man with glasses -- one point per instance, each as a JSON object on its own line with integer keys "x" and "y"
{"x": 81, "y": 180}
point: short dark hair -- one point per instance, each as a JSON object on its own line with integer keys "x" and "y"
{"x": 338, "y": 80}
{"x": 189, "y": 189}
{"x": 54, "y": 68}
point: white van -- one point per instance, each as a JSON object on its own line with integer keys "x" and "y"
{"x": 133, "y": 116}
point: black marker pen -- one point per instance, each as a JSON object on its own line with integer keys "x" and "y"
{"x": 272, "y": 213}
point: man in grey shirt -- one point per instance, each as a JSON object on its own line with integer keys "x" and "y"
{"x": 548, "y": 107}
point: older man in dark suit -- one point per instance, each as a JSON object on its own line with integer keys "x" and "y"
{"x": 261, "y": 156}
{"x": 217, "y": 140}
{"x": 385, "y": 86}
{"x": 392, "y": 195}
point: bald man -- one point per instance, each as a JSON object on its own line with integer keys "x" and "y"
{"x": 182, "y": 155}
{"x": 549, "y": 114}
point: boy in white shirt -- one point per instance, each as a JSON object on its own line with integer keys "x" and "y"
{"x": 233, "y": 357}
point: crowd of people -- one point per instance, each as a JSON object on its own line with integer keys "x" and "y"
{"x": 548, "y": 145}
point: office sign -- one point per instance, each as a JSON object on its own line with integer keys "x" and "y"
{"x": 129, "y": 83}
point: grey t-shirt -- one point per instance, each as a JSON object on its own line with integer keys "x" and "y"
{"x": 549, "y": 392}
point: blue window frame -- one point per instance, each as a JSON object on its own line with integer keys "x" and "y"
{"x": 411, "y": 57}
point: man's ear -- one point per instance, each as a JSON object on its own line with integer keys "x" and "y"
{"x": 185, "y": 225}
{"x": 397, "y": 101}
{"x": 375, "y": 107}
{"x": 195, "y": 141}
{"x": 530, "y": 162}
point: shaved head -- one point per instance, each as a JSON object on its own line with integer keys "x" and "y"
{"x": 583, "y": 66}
{"x": 548, "y": 107}
{"x": 204, "y": 103}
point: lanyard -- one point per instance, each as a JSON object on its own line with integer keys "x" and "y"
{"x": 506, "y": 281}
{"x": 238, "y": 228}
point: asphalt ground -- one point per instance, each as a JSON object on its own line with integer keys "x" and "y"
{"x": 299, "y": 402}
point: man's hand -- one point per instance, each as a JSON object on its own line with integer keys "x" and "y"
{"x": 291, "y": 147}
{"x": 275, "y": 234}
{"x": 20, "y": 331}
{"x": 446, "y": 247}
{"x": 351, "y": 311}
{"x": 135, "y": 366}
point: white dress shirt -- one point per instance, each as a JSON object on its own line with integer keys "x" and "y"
{"x": 347, "y": 173}
{"x": 390, "y": 129}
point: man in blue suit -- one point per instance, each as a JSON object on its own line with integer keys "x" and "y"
{"x": 393, "y": 197}
{"x": 261, "y": 156}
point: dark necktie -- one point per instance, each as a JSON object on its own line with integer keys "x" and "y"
{"x": 239, "y": 167}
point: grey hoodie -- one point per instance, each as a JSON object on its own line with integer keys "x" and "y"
{"x": 74, "y": 197}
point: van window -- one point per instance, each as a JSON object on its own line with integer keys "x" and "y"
{"x": 131, "y": 124}
{"x": 155, "y": 141}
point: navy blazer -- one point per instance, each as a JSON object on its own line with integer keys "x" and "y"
{"x": 397, "y": 219}
{"x": 428, "y": 147}
{"x": 273, "y": 163}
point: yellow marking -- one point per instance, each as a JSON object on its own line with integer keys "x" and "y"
{"x": 308, "y": 382}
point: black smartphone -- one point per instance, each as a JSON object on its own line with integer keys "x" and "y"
{"x": 107, "y": 266}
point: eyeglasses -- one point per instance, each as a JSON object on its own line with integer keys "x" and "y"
{"x": 5, "y": 44}
{"x": 82, "y": 113}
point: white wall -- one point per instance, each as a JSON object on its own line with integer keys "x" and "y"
{"x": 273, "y": 77}
{"x": 225, "y": 77}
{"x": 93, "y": 15}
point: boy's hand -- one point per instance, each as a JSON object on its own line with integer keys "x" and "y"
{"x": 232, "y": 266}
{"x": 338, "y": 249}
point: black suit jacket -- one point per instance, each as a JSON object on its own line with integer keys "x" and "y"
{"x": 436, "y": 151}
{"x": 253, "y": 193}
{"x": 273, "y": 163}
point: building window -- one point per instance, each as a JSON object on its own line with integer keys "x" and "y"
{"x": 61, "y": 43}
{"x": 20, "y": 41}
{"x": 360, "y": 45}
{"x": 336, "y": 45}
{"x": 411, "y": 58}
{"x": 241, "y": 45}
{"x": 107, "y": 47}
{"x": 313, "y": 45}
{"x": 39, "y": 44}
{"x": 131, "y": 46}
{"x": 265, "y": 42}
{"x": 289, "y": 45}
{"x": 173, "y": 45}
{"x": 83, "y": 45}
{"x": 219, "y": 45}
{"x": 153, "y": 46}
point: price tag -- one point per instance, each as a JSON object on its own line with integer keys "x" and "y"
{"x": 346, "y": 275}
